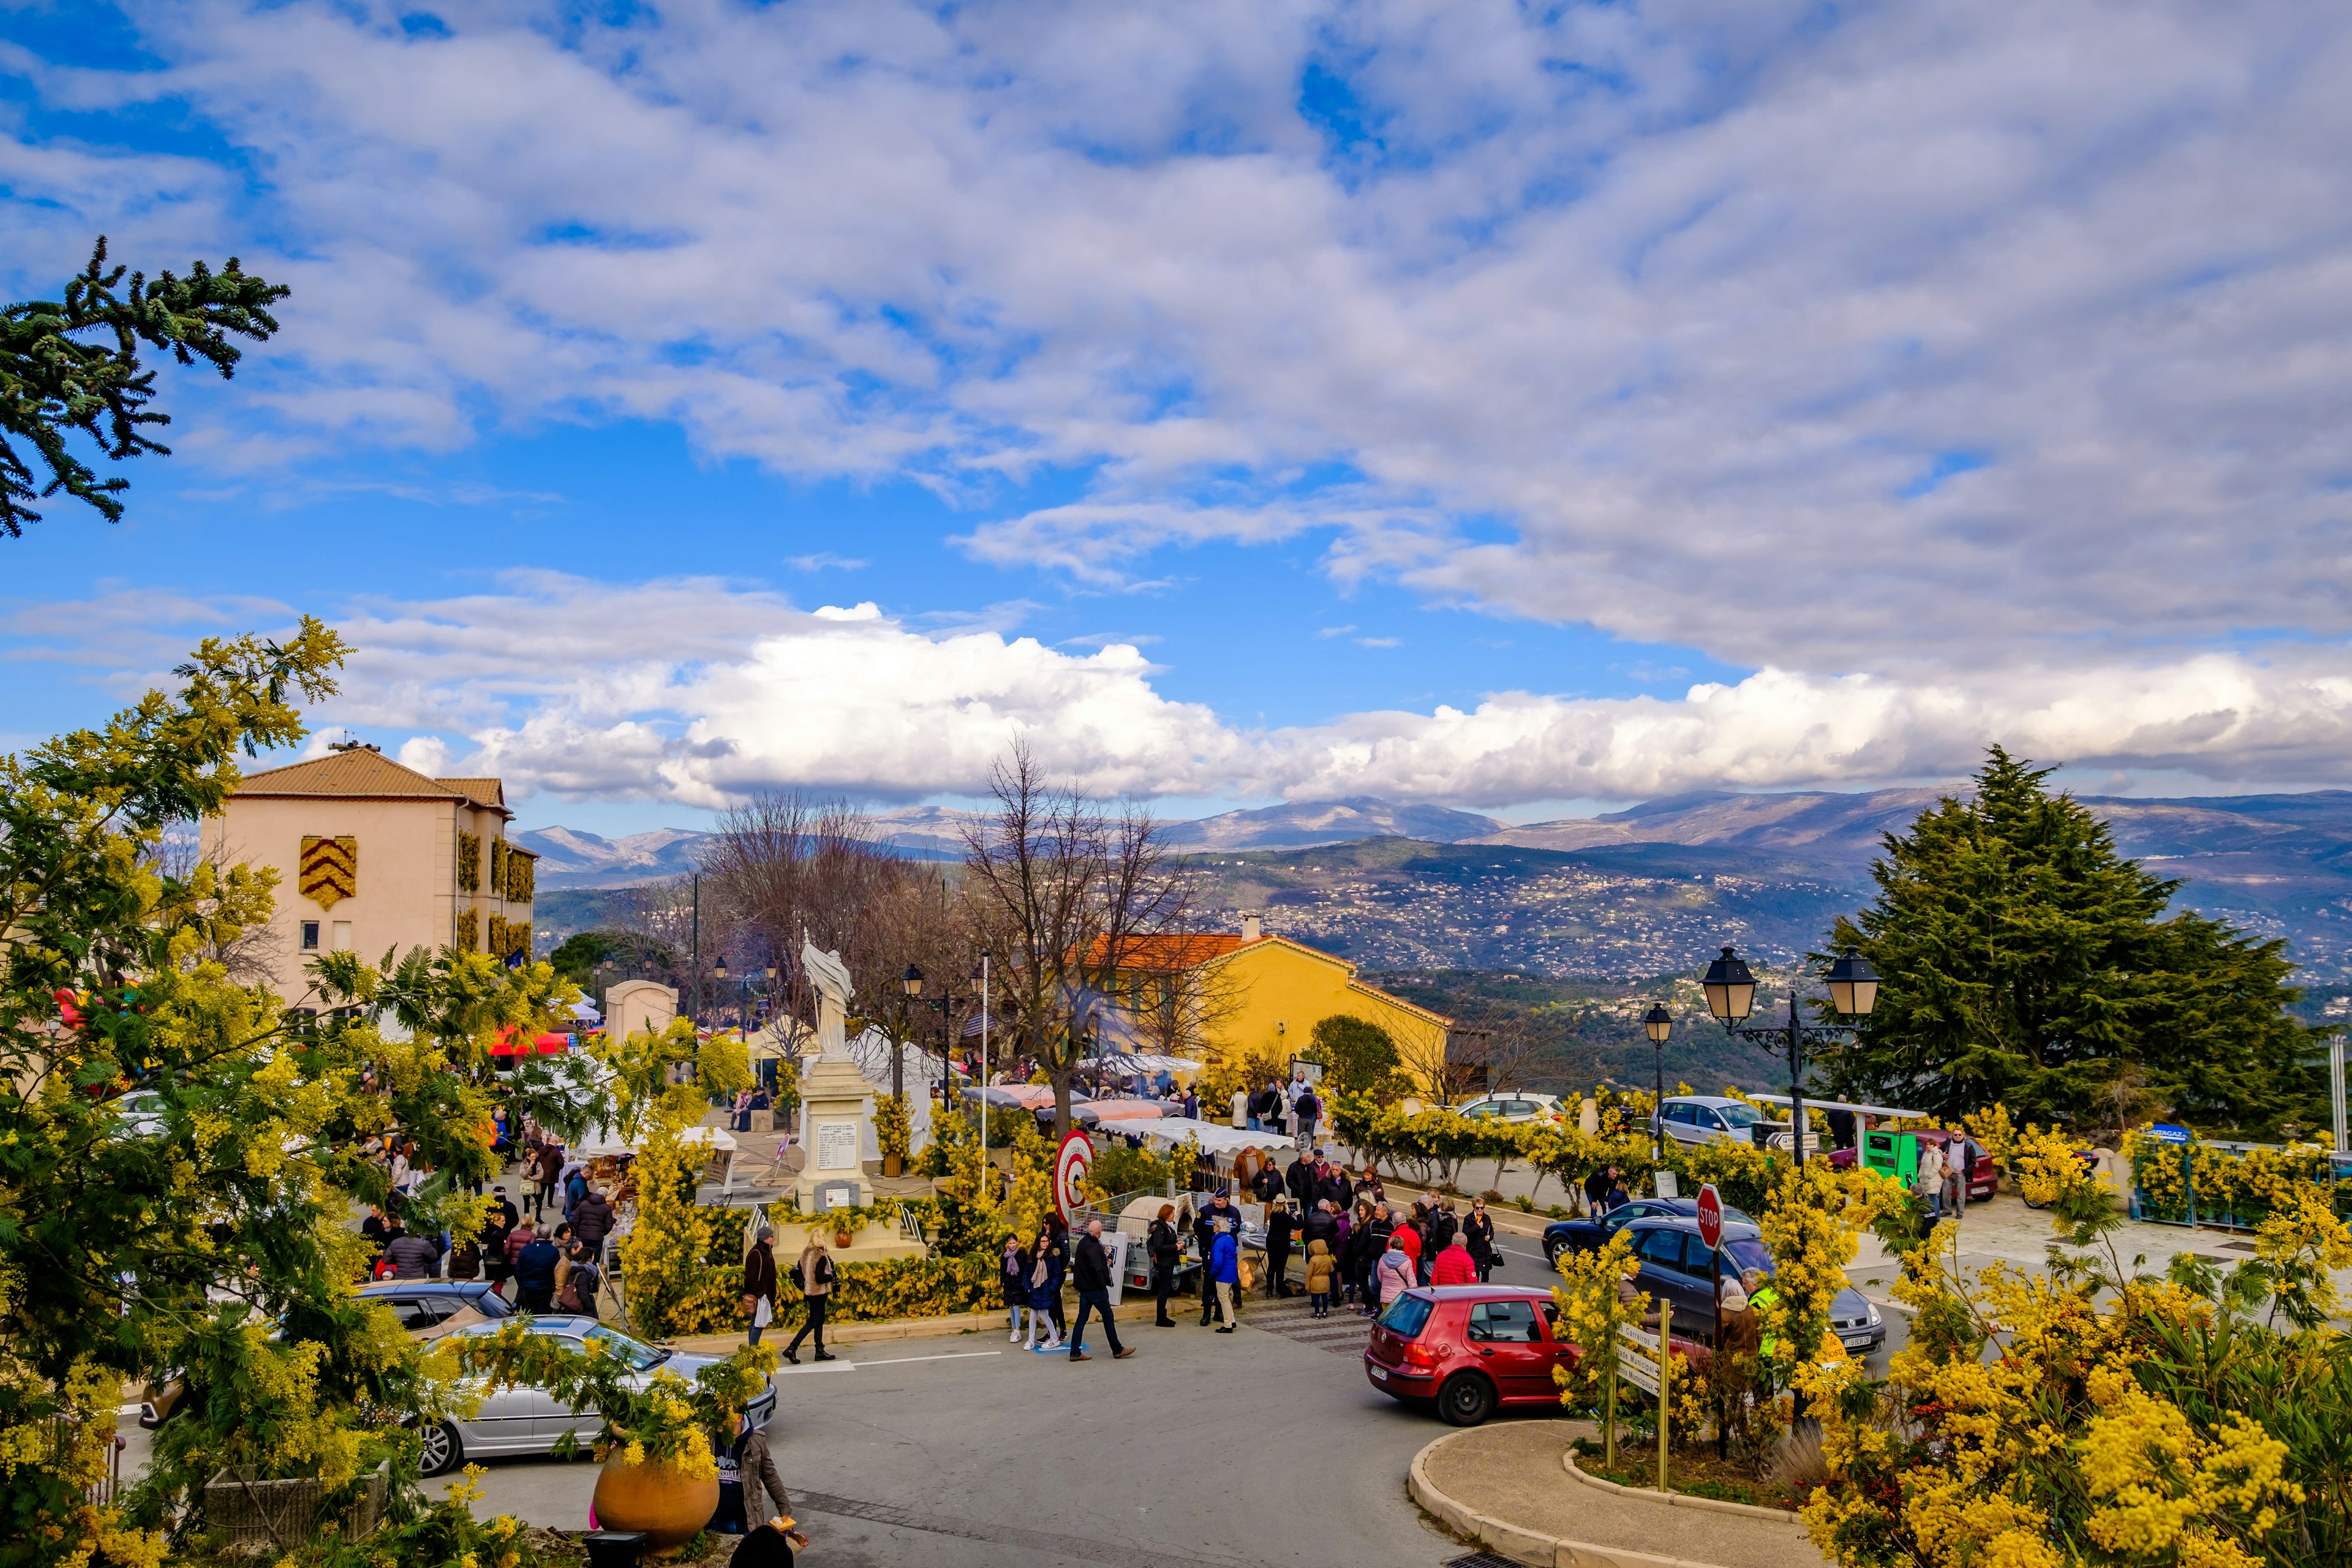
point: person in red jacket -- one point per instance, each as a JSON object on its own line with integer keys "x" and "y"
{"x": 1453, "y": 1265}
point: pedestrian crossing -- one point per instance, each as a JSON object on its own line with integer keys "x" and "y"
{"x": 1341, "y": 1333}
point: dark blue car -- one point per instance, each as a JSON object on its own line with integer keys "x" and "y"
{"x": 1593, "y": 1232}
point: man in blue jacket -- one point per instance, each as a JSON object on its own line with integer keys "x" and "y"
{"x": 1225, "y": 1271}
{"x": 535, "y": 1275}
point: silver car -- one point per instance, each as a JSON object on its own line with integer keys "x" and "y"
{"x": 1696, "y": 1118}
{"x": 529, "y": 1421}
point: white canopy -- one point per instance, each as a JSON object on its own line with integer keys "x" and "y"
{"x": 1136, "y": 1063}
{"x": 1215, "y": 1138}
{"x": 600, "y": 1141}
{"x": 585, "y": 1012}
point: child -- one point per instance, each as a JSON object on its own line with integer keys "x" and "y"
{"x": 1320, "y": 1270}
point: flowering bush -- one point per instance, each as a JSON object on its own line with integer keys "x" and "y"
{"x": 1592, "y": 1308}
{"x": 2097, "y": 1414}
{"x": 675, "y": 1286}
{"x": 893, "y": 1127}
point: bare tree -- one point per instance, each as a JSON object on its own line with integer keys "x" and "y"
{"x": 1064, "y": 894}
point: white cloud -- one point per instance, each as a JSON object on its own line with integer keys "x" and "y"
{"x": 718, "y": 689}
{"x": 1925, "y": 339}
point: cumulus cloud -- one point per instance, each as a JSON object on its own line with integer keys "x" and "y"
{"x": 697, "y": 692}
{"x": 1932, "y": 339}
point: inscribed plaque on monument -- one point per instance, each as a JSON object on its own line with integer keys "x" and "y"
{"x": 836, "y": 1145}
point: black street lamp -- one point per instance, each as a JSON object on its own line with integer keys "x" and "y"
{"x": 1731, "y": 996}
{"x": 1657, "y": 1022}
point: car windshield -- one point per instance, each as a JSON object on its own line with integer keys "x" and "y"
{"x": 1747, "y": 1253}
{"x": 638, "y": 1355}
{"x": 1738, "y": 1114}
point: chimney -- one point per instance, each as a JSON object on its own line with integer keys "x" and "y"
{"x": 1251, "y": 930}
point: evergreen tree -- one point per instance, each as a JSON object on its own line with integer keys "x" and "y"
{"x": 72, "y": 364}
{"x": 2025, "y": 960}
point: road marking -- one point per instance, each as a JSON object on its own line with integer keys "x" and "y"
{"x": 951, "y": 1355}
{"x": 837, "y": 1366}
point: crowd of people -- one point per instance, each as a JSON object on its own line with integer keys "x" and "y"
{"x": 536, "y": 1264}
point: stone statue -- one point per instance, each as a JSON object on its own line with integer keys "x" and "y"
{"x": 831, "y": 977}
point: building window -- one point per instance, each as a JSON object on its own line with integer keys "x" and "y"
{"x": 342, "y": 936}
{"x": 310, "y": 936}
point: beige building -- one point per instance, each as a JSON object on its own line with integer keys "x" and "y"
{"x": 371, "y": 854}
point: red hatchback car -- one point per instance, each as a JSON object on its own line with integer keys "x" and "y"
{"x": 1470, "y": 1349}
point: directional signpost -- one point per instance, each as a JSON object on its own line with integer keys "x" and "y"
{"x": 1710, "y": 1231}
{"x": 1652, "y": 1376}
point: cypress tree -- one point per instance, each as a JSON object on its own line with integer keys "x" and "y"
{"x": 2025, "y": 960}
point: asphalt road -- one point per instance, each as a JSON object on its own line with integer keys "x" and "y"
{"x": 1203, "y": 1449}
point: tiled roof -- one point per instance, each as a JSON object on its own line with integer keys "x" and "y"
{"x": 1155, "y": 954}
{"x": 492, "y": 793}
{"x": 362, "y": 775}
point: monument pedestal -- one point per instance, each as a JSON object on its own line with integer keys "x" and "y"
{"x": 836, "y": 1104}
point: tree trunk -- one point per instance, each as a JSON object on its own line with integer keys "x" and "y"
{"x": 1062, "y": 1122}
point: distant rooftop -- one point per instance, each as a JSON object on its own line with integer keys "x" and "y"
{"x": 364, "y": 774}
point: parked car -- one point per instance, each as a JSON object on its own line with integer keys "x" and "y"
{"x": 1884, "y": 1150}
{"x": 430, "y": 1308}
{"x": 529, "y": 1421}
{"x": 1516, "y": 1105}
{"x": 1696, "y": 1118}
{"x": 1676, "y": 1267}
{"x": 427, "y": 1308}
{"x": 1592, "y": 1232}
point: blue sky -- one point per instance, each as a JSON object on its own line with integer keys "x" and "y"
{"x": 1516, "y": 410}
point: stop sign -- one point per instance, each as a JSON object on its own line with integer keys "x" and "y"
{"x": 1710, "y": 1217}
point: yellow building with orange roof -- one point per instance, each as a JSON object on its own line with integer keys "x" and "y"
{"x": 372, "y": 855}
{"x": 1263, "y": 993}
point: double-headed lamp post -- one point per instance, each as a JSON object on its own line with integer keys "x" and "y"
{"x": 913, "y": 981}
{"x": 1731, "y": 996}
{"x": 1657, "y": 1022}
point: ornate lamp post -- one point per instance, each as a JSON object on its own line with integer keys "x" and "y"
{"x": 1657, "y": 1022}
{"x": 1731, "y": 996}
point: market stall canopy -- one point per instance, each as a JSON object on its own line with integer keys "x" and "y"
{"x": 1859, "y": 1110}
{"x": 1022, "y": 1095}
{"x": 1215, "y": 1138}
{"x": 585, "y": 1012}
{"x": 508, "y": 1044}
{"x": 1145, "y": 1066}
{"x": 600, "y": 1141}
{"x": 1095, "y": 1112}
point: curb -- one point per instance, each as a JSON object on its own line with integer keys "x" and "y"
{"x": 1678, "y": 1500}
{"x": 1522, "y": 1545}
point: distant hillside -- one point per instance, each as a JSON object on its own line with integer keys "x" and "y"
{"x": 1329, "y": 822}
{"x": 1645, "y": 891}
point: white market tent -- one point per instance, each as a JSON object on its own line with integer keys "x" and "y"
{"x": 600, "y": 1141}
{"x": 1220, "y": 1140}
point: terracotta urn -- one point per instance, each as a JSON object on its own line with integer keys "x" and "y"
{"x": 841, "y": 1236}
{"x": 656, "y": 1499}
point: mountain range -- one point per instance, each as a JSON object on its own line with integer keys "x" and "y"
{"x": 1422, "y": 887}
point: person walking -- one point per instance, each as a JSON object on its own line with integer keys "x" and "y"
{"x": 1409, "y": 1232}
{"x": 751, "y": 1493}
{"x": 813, "y": 1275}
{"x": 1046, "y": 1283}
{"x": 1322, "y": 1268}
{"x": 1478, "y": 1239}
{"x": 1204, "y": 1242}
{"x": 534, "y": 1268}
{"x": 1225, "y": 1272}
{"x": 1453, "y": 1265}
{"x": 1299, "y": 1182}
{"x": 1394, "y": 1274}
{"x": 410, "y": 1256}
{"x": 581, "y": 1282}
{"x": 497, "y": 1268}
{"x": 1090, "y": 1273}
{"x": 1015, "y": 1269}
{"x": 1307, "y": 1109}
{"x": 1928, "y": 1182}
{"x": 592, "y": 1222}
{"x": 1238, "y": 1115}
{"x": 1279, "y": 1224}
{"x": 1956, "y": 1178}
{"x": 550, "y": 1165}
{"x": 1267, "y": 1185}
{"x": 759, "y": 1282}
{"x": 1165, "y": 1247}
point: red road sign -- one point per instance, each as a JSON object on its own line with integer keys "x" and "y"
{"x": 1710, "y": 1217}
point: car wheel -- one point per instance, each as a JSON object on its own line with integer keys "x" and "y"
{"x": 442, "y": 1452}
{"x": 1466, "y": 1400}
{"x": 1552, "y": 1249}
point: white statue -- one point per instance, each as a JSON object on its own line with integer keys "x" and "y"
{"x": 831, "y": 978}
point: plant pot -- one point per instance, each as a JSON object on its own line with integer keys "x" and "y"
{"x": 656, "y": 1499}
{"x": 892, "y": 1164}
{"x": 841, "y": 1238}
